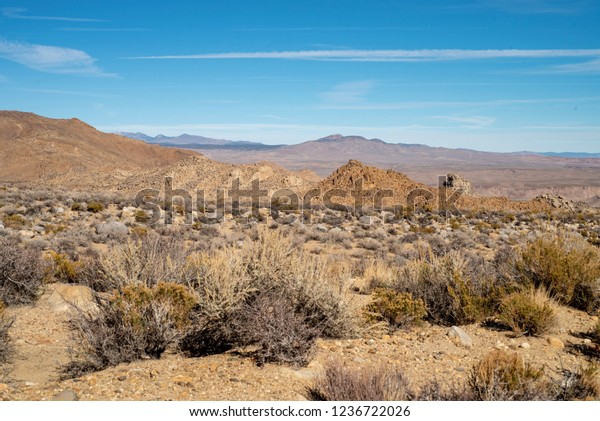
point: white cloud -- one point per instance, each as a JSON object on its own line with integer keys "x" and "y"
{"x": 46, "y": 58}
{"x": 387, "y": 55}
{"x": 348, "y": 93}
{"x": 18, "y": 13}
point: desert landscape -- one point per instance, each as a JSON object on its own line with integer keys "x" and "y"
{"x": 214, "y": 204}
{"x": 485, "y": 298}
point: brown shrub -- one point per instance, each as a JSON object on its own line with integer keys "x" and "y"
{"x": 5, "y": 345}
{"x": 134, "y": 323}
{"x": 369, "y": 383}
{"x": 528, "y": 313}
{"x": 280, "y": 333}
{"x": 505, "y": 376}
{"x": 21, "y": 272}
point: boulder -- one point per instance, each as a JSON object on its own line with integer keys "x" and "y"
{"x": 63, "y": 298}
{"x": 460, "y": 336}
{"x": 112, "y": 229}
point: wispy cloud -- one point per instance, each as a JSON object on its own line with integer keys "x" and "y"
{"x": 334, "y": 28}
{"x": 19, "y": 13}
{"x": 454, "y": 104}
{"x": 82, "y": 29}
{"x": 51, "y": 59}
{"x": 592, "y": 66}
{"x": 473, "y": 122}
{"x": 386, "y": 55}
{"x": 348, "y": 93}
{"x": 556, "y": 7}
{"x": 65, "y": 92}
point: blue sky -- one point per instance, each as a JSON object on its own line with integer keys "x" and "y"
{"x": 500, "y": 75}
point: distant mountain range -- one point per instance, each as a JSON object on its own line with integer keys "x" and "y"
{"x": 200, "y": 142}
{"x": 516, "y": 175}
{"x": 189, "y": 141}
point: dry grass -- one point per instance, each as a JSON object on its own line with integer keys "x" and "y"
{"x": 378, "y": 273}
{"x": 146, "y": 261}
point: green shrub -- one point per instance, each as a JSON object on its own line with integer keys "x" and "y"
{"x": 141, "y": 216}
{"x": 398, "y": 309}
{"x": 95, "y": 207}
{"x": 134, "y": 323}
{"x": 529, "y": 313}
{"x": 64, "y": 269}
{"x": 15, "y": 221}
{"x": 566, "y": 265}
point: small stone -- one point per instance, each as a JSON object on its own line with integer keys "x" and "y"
{"x": 122, "y": 378}
{"x": 500, "y": 345}
{"x": 321, "y": 228}
{"x": 3, "y": 387}
{"x": 461, "y": 336}
{"x": 525, "y": 345}
{"x": 182, "y": 380}
{"x": 555, "y": 342}
{"x": 66, "y": 395}
{"x": 365, "y": 220}
{"x": 587, "y": 341}
{"x": 39, "y": 229}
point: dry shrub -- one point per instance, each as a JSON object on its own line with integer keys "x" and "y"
{"x": 22, "y": 271}
{"x": 5, "y": 345}
{"x": 455, "y": 289}
{"x": 503, "y": 376}
{"x": 137, "y": 322}
{"x": 222, "y": 287}
{"x": 269, "y": 294}
{"x": 529, "y": 313}
{"x": 367, "y": 383}
{"x": 582, "y": 384}
{"x": 274, "y": 264}
{"x": 281, "y": 333}
{"x": 146, "y": 261}
{"x": 95, "y": 207}
{"x": 566, "y": 265}
{"x": 397, "y": 309}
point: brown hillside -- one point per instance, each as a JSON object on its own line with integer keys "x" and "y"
{"x": 35, "y": 148}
